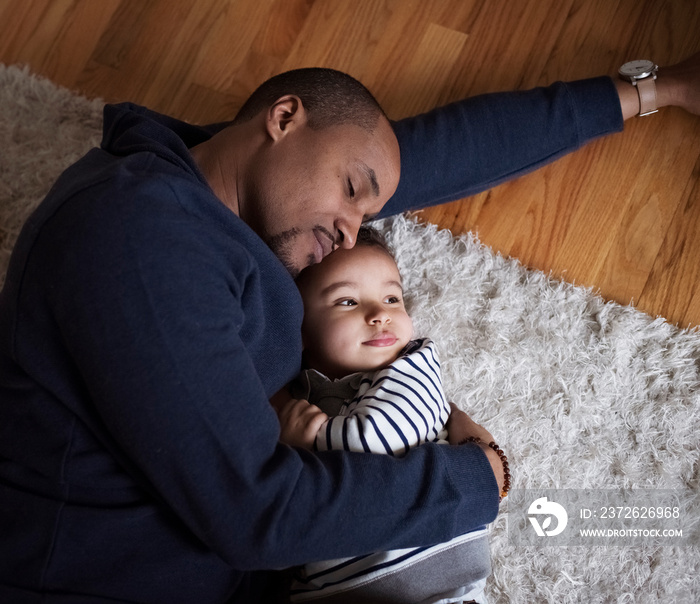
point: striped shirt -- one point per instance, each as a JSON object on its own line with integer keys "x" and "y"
{"x": 394, "y": 409}
{"x": 388, "y": 411}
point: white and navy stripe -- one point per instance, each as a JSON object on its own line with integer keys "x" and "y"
{"x": 395, "y": 409}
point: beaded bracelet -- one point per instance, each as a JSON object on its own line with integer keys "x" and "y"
{"x": 501, "y": 454}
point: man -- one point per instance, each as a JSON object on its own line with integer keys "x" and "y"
{"x": 150, "y": 313}
{"x": 294, "y": 185}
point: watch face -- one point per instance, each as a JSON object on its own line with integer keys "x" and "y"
{"x": 637, "y": 68}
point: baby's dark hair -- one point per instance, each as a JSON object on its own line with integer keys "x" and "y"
{"x": 366, "y": 237}
{"x": 371, "y": 237}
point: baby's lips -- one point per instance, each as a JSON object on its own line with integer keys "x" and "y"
{"x": 383, "y": 339}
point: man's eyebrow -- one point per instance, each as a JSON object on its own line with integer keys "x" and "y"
{"x": 372, "y": 176}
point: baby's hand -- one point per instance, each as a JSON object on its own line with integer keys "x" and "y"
{"x": 300, "y": 422}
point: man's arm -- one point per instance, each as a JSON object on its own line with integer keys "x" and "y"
{"x": 475, "y": 144}
{"x": 467, "y": 147}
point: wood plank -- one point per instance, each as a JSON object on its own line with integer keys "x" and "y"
{"x": 672, "y": 289}
{"x": 340, "y": 35}
{"x": 427, "y": 71}
{"x": 225, "y": 47}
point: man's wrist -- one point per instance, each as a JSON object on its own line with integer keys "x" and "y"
{"x": 671, "y": 90}
{"x": 641, "y": 75}
{"x": 498, "y": 460}
{"x": 629, "y": 99}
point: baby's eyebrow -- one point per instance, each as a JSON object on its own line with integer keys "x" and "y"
{"x": 327, "y": 291}
{"x": 337, "y": 285}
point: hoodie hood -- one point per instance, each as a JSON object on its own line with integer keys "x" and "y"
{"x": 129, "y": 129}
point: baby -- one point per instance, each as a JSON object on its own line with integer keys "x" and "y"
{"x": 375, "y": 389}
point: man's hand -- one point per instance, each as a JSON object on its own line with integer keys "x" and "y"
{"x": 680, "y": 84}
{"x": 461, "y": 426}
{"x": 300, "y": 422}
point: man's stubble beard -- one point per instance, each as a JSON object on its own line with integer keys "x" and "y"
{"x": 282, "y": 244}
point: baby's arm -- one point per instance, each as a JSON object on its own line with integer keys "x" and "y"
{"x": 401, "y": 407}
{"x": 382, "y": 424}
{"x": 299, "y": 420}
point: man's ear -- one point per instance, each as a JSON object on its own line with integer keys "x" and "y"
{"x": 285, "y": 115}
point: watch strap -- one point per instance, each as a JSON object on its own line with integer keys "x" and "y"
{"x": 646, "y": 89}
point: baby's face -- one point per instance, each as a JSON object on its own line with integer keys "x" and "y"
{"x": 354, "y": 314}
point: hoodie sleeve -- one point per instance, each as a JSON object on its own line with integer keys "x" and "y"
{"x": 472, "y": 145}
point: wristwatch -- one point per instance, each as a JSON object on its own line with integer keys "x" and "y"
{"x": 641, "y": 74}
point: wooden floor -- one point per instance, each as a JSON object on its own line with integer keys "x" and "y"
{"x": 621, "y": 215}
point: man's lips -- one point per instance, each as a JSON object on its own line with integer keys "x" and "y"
{"x": 381, "y": 340}
{"x": 325, "y": 243}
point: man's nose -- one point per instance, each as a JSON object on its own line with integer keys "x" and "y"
{"x": 347, "y": 229}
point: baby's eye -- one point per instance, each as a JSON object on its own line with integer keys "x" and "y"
{"x": 347, "y": 302}
{"x": 393, "y": 300}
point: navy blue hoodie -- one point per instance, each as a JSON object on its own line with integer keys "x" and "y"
{"x": 143, "y": 328}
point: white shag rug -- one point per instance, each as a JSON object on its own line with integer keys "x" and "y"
{"x": 580, "y": 393}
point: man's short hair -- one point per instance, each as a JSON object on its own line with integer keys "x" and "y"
{"x": 330, "y": 97}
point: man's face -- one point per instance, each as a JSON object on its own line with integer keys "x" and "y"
{"x": 354, "y": 314}
{"x": 311, "y": 190}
